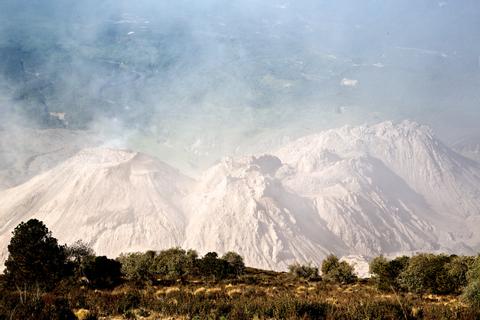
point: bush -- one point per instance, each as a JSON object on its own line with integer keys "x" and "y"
{"x": 457, "y": 270}
{"x": 427, "y": 273}
{"x": 102, "y": 272}
{"x": 471, "y": 294}
{"x": 77, "y": 255}
{"x": 385, "y": 273}
{"x": 339, "y": 272}
{"x": 304, "y": 272}
{"x": 79, "y": 252}
{"x": 173, "y": 263}
{"x": 235, "y": 261}
{"x": 473, "y": 273}
{"x": 35, "y": 258}
{"x": 211, "y": 266}
{"x": 139, "y": 267}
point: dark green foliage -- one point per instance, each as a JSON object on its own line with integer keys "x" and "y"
{"x": 173, "y": 263}
{"x": 79, "y": 252}
{"x": 471, "y": 294}
{"x": 306, "y": 272}
{"x": 473, "y": 273}
{"x": 139, "y": 267}
{"x": 178, "y": 264}
{"x": 77, "y": 255}
{"x": 334, "y": 270}
{"x": 211, "y": 266}
{"x": 385, "y": 272}
{"x": 427, "y": 273}
{"x": 457, "y": 269}
{"x": 235, "y": 261}
{"x": 102, "y": 272}
{"x": 35, "y": 258}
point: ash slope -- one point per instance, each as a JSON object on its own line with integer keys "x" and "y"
{"x": 388, "y": 188}
{"x": 114, "y": 200}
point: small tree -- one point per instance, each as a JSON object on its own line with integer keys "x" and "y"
{"x": 211, "y": 265}
{"x": 235, "y": 261}
{"x": 172, "y": 263}
{"x": 139, "y": 267}
{"x": 473, "y": 273}
{"x": 78, "y": 254}
{"x": 457, "y": 270}
{"x": 35, "y": 258}
{"x": 385, "y": 273}
{"x": 427, "y": 273}
{"x": 338, "y": 271}
{"x": 102, "y": 272}
{"x": 471, "y": 293}
{"x": 307, "y": 272}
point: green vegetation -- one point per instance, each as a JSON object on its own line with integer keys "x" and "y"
{"x": 44, "y": 280}
{"x": 307, "y": 272}
{"x": 35, "y": 259}
{"x": 337, "y": 271}
{"x": 385, "y": 273}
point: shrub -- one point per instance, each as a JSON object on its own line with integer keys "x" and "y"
{"x": 102, "y": 272}
{"x": 211, "y": 265}
{"x": 334, "y": 270}
{"x": 77, "y": 254}
{"x": 471, "y": 294}
{"x": 35, "y": 258}
{"x": 385, "y": 273}
{"x": 427, "y": 273}
{"x": 307, "y": 272}
{"x": 235, "y": 261}
{"x": 457, "y": 270}
{"x": 173, "y": 263}
{"x": 473, "y": 273}
{"x": 139, "y": 267}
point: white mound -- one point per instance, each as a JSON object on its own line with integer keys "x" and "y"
{"x": 241, "y": 206}
{"x": 114, "y": 200}
{"x": 400, "y": 172}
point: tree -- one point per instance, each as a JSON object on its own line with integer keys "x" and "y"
{"x": 139, "y": 267}
{"x": 385, "y": 273}
{"x": 457, "y": 270}
{"x": 78, "y": 254}
{"x": 211, "y": 265}
{"x": 235, "y": 261}
{"x": 307, "y": 272}
{"x": 35, "y": 258}
{"x": 427, "y": 273}
{"x": 471, "y": 293}
{"x": 172, "y": 263}
{"x": 473, "y": 273}
{"x": 102, "y": 272}
{"x": 338, "y": 271}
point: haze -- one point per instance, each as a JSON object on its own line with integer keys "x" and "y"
{"x": 193, "y": 81}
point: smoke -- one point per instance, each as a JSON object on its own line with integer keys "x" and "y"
{"x": 191, "y": 81}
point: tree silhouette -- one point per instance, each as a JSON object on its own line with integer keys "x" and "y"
{"x": 35, "y": 258}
